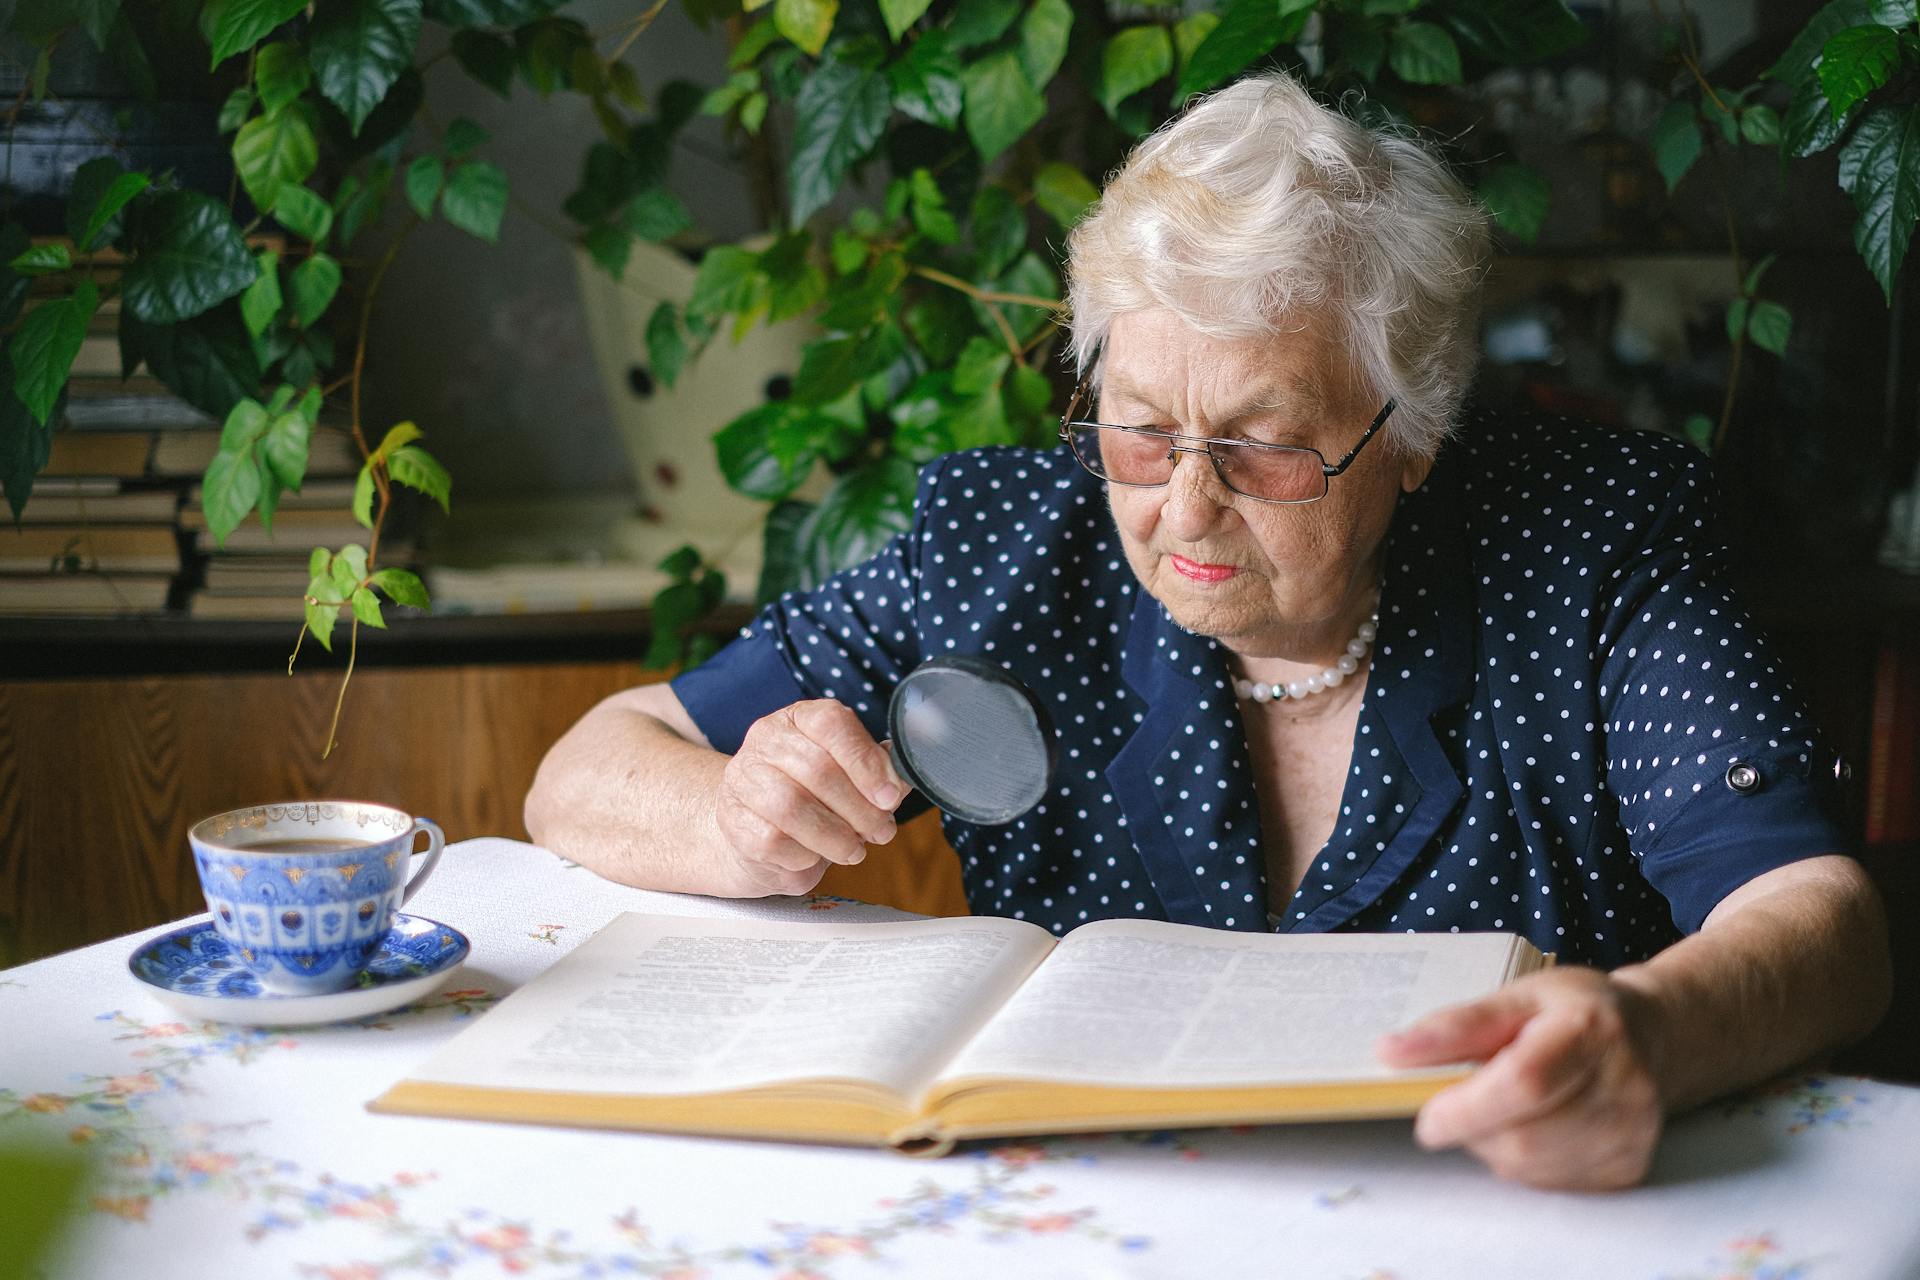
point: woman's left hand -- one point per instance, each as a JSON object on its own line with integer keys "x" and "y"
{"x": 1566, "y": 1096}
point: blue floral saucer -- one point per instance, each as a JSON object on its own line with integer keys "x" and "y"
{"x": 192, "y": 971}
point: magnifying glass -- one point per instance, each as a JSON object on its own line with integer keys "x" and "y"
{"x": 972, "y": 739}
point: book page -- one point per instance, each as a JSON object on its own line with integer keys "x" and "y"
{"x": 1150, "y": 1003}
{"x": 666, "y": 1004}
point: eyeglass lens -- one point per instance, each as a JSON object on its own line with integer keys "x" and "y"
{"x": 1148, "y": 458}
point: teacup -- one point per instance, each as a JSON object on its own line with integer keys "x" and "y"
{"x": 303, "y": 893}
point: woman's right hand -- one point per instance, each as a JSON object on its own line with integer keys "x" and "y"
{"x": 808, "y": 787}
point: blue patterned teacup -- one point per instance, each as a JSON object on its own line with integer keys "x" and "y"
{"x": 304, "y": 892}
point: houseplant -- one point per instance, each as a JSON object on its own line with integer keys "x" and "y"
{"x": 952, "y": 141}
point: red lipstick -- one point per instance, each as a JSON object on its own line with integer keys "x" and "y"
{"x": 1202, "y": 572}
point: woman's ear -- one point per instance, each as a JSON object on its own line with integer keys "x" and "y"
{"x": 1413, "y": 471}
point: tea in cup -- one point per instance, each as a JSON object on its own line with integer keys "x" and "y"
{"x": 303, "y": 893}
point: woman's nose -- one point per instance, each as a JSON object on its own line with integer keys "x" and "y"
{"x": 1196, "y": 499}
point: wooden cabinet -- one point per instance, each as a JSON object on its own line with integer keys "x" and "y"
{"x": 101, "y": 777}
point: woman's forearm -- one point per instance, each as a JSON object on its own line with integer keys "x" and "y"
{"x": 626, "y": 796}
{"x": 1791, "y": 966}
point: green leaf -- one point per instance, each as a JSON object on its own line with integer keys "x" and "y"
{"x": 45, "y": 345}
{"x": 476, "y": 199}
{"x": 1360, "y": 47}
{"x": 245, "y": 424}
{"x": 1800, "y": 63}
{"x": 359, "y": 48}
{"x": 780, "y": 567}
{"x": 281, "y": 74}
{"x": 1423, "y": 53}
{"x": 463, "y": 135}
{"x": 681, "y": 563}
{"x": 767, "y": 451}
{"x": 725, "y": 283}
{"x": 931, "y": 217}
{"x": 610, "y": 248}
{"x": 43, "y": 259}
{"x": 24, "y": 444}
{"x": 981, "y": 366}
{"x": 419, "y": 470}
{"x": 398, "y": 435}
{"x": 488, "y": 58}
{"x": 807, "y": 23}
{"x": 366, "y": 607}
{"x": 1001, "y": 104}
{"x": 831, "y": 367}
{"x": 926, "y": 81}
{"x": 1698, "y": 430}
{"x": 1676, "y": 142}
{"x": 424, "y": 178}
{"x": 101, "y": 189}
{"x": 674, "y": 609}
{"x": 656, "y": 214}
{"x": 208, "y": 361}
{"x": 304, "y": 213}
{"x": 1132, "y": 60}
{"x": 319, "y": 563}
{"x": 312, "y": 285}
{"x": 1248, "y": 30}
{"x": 349, "y": 569}
{"x": 261, "y": 301}
{"x": 234, "y": 25}
{"x": 1770, "y": 327}
{"x": 1516, "y": 31}
{"x": 284, "y": 448}
{"x": 795, "y": 283}
{"x": 901, "y": 14}
{"x": 320, "y": 618}
{"x": 1064, "y": 193}
{"x": 1880, "y": 169}
{"x": 1855, "y": 62}
{"x": 190, "y": 259}
{"x": 839, "y": 115}
{"x": 1809, "y": 126}
{"x": 1517, "y": 196}
{"x": 1043, "y": 40}
{"x": 1737, "y": 318}
{"x": 363, "y": 491}
{"x": 1760, "y": 125}
{"x": 228, "y": 491}
{"x": 978, "y": 22}
{"x": 402, "y": 587}
{"x": 863, "y": 509}
{"x": 274, "y": 151}
{"x": 999, "y": 230}
{"x": 1752, "y": 284}
{"x": 235, "y": 110}
{"x": 666, "y": 345}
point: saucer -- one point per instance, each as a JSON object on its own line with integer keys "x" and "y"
{"x": 192, "y": 971}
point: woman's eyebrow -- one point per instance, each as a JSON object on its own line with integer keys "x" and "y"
{"x": 1296, "y": 394}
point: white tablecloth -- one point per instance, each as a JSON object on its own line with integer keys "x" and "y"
{"x": 239, "y": 1152}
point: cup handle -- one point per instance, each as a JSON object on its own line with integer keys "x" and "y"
{"x": 436, "y": 841}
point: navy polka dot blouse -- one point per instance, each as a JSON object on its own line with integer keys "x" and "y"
{"x": 1570, "y": 729}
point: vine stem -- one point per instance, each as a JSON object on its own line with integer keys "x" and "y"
{"x": 640, "y": 24}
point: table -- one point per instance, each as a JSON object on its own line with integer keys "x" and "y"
{"x": 237, "y": 1151}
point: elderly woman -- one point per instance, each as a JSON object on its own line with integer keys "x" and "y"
{"x": 1324, "y": 651}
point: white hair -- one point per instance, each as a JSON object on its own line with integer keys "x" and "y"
{"x": 1257, "y": 205}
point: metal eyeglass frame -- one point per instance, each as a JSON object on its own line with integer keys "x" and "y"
{"x": 1204, "y": 444}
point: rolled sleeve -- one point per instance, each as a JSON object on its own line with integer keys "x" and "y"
{"x": 1718, "y": 772}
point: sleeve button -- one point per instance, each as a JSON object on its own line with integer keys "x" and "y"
{"x": 1743, "y": 778}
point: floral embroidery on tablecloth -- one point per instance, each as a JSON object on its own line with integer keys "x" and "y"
{"x": 828, "y": 901}
{"x": 995, "y": 1190}
{"x": 1810, "y": 1102}
{"x": 1757, "y": 1257}
{"x": 547, "y": 933}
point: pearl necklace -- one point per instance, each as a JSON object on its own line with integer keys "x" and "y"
{"x": 1330, "y": 678}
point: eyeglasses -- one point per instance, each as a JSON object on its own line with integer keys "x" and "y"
{"x": 1144, "y": 457}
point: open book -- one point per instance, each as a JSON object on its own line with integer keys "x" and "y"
{"x": 919, "y": 1033}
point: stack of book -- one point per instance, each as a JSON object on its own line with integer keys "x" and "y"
{"x": 105, "y": 530}
{"x": 260, "y": 575}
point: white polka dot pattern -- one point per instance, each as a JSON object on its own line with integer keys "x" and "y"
{"x": 1560, "y": 688}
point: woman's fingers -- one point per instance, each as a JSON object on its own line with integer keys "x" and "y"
{"x": 809, "y": 783}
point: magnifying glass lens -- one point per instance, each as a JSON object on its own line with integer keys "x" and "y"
{"x": 972, "y": 738}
